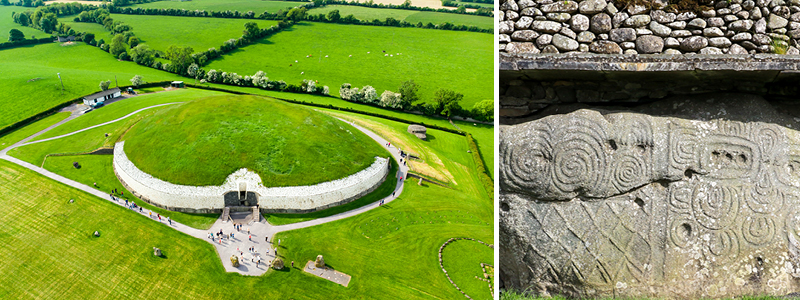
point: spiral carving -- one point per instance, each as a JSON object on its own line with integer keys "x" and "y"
{"x": 579, "y": 157}
{"x": 769, "y": 139}
{"x": 629, "y": 171}
{"x": 765, "y": 196}
{"x": 758, "y": 230}
{"x": 722, "y": 245}
{"x": 680, "y": 196}
{"x": 715, "y": 206}
{"x": 527, "y": 162}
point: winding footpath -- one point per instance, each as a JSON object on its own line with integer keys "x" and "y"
{"x": 260, "y": 233}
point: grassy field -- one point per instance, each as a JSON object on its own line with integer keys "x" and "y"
{"x": 395, "y": 258}
{"x": 257, "y": 6}
{"x": 7, "y": 23}
{"x": 24, "y": 132}
{"x": 489, "y": 5}
{"x": 432, "y": 58}
{"x": 31, "y": 84}
{"x": 411, "y": 16}
{"x": 159, "y": 32}
{"x": 467, "y": 256}
{"x": 483, "y": 134}
{"x": 286, "y": 144}
{"x": 122, "y": 108}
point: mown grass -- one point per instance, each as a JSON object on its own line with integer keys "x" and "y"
{"x": 159, "y": 32}
{"x": 411, "y": 16}
{"x": 203, "y": 141}
{"x": 384, "y": 190}
{"x": 464, "y": 258}
{"x": 460, "y": 61}
{"x": 516, "y": 295}
{"x": 98, "y": 169}
{"x": 397, "y": 259}
{"x": 7, "y": 23}
{"x": 30, "y": 83}
{"x": 24, "y": 132}
{"x": 257, "y": 6}
{"x": 124, "y": 107}
{"x": 483, "y": 134}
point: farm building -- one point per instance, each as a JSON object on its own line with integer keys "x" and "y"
{"x": 97, "y": 99}
{"x": 177, "y": 84}
{"x": 62, "y": 39}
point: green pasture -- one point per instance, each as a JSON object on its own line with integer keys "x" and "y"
{"x": 460, "y": 61}
{"x": 24, "y": 132}
{"x": 467, "y": 256}
{"x": 31, "y": 83}
{"x": 243, "y": 6}
{"x": 411, "y": 16}
{"x": 7, "y": 23}
{"x": 159, "y": 32}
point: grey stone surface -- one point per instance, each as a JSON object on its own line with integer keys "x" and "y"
{"x": 600, "y": 23}
{"x": 686, "y": 198}
{"x": 418, "y": 130}
{"x": 649, "y": 44}
{"x": 564, "y": 43}
{"x": 524, "y": 35}
{"x": 586, "y": 37}
{"x": 592, "y": 6}
{"x": 637, "y": 21}
{"x": 546, "y": 26}
{"x": 660, "y": 30}
{"x": 623, "y": 35}
{"x": 580, "y": 23}
{"x": 319, "y": 262}
{"x": 605, "y": 47}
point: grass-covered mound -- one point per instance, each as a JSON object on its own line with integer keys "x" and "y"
{"x": 203, "y": 141}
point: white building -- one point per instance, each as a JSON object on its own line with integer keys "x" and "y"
{"x": 97, "y": 99}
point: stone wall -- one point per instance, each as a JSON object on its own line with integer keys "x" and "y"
{"x": 207, "y": 199}
{"x": 598, "y": 26}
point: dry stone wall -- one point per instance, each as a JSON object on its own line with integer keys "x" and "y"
{"x": 294, "y": 199}
{"x": 686, "y": 198}
{"x": 598, "y": 26}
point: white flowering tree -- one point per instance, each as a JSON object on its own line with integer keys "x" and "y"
{"x": 137, "y": 80}
{"x": 260, "y": 79}
{"x": 391, "y": 99}
{"x": 370, "y": 95}
{"x": 325, "y": 90}
{"x": 212, "y": 76}
{"x": 311, "y": 87}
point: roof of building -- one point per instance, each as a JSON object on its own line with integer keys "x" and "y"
{"x": 177, "y": 82}
{"x": 103, "y": 93}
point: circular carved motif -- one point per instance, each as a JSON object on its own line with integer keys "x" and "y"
{"x": 715, "y": 206}
{"x": 629, "y": 171}
{"x": 579, "y": 158}
{"x": 722, "y": 244}
{"x": 758, "y": 230}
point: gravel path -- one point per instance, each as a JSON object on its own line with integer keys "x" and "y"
{"x": 260, "y": 233}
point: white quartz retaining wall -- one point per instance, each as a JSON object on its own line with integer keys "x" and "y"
{"x": 294, "y": 199}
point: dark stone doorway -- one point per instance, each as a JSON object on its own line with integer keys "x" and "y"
{"x": 235, "y": 199}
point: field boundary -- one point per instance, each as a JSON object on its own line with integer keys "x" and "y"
{"x": 98, "y": 151}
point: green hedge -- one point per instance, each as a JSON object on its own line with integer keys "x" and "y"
{"x": 486, "y": 179}
{"x": 7, "y": 45}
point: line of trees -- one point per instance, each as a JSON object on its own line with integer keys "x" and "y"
{"x": 406, "y": 5}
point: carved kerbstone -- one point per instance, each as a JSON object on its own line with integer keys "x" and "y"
{"x": 320, "y": 262}
{"x": 626, "y": 204}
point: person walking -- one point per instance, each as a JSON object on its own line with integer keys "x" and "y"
{"x": 169, "y": 220}
{"x": 250, "y": 238}
{"x": 292, "y": 264}
{"x": 159, "y": 217}
{"x": 151, "y": 214}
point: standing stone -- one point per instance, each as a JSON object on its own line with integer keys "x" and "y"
{"x": 157, "y": 252}
{"x": 601, "y": 23}
{"x": 694, "y": 43}
{"x": 580, "y": 23}
{"x": 605, "y": 47}
{"x": 592, "y": 6}
{"x": 277, "y": 264}
{"x": 623, "y": 35}
{"x": 320, "y": 262}
{"x": 96, "y": 234}
{"x": 564, "y": 43}
{"x": 649, "y": 44}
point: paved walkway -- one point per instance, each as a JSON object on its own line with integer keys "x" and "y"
{"x": 260, "y": 235}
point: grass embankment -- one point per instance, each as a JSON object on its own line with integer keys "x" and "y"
{"x": 22, "y": 133}
{"x": 411, "y": 16}
{"x": 204, "y": 141}
{"x": 460, "y": 61}
{"x": 397, "y": 258}
{"x": 243, "y": 6}
{"x": 159, "y": 32}
{"x": 31, "y": 83}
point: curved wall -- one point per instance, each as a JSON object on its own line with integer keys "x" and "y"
{"x": 207, "y": 199}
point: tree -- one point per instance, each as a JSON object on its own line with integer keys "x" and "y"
{"x": 15, "y": 35}
{"x": 104, "y": 85}
{"x": 23, "y": 19}
{"x": 297, "y": 13}
{"x": 251, "y": 30}
{"x": 48, "y": 22}
{"x": 484, "y": 108}
{"x": 461, "y": 9}
{"x": 391, "y": 99}
{"x": 408, "y": 91}
{"x": 137, "y": 81}
{"x": 447, "y": 102}
{"x": 117, "y": 45}
{"x": 180, "y": 57}
{"x": 122, "y": 28}
{"x": 334, "y": 16}
{"x": 88, "y": 37}
{"x": 133, "y": 41}
{"x": 370, "y": 95}
{"x": 193, "y": 71}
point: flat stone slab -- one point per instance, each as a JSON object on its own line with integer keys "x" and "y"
{"x": 327, "y": 273}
